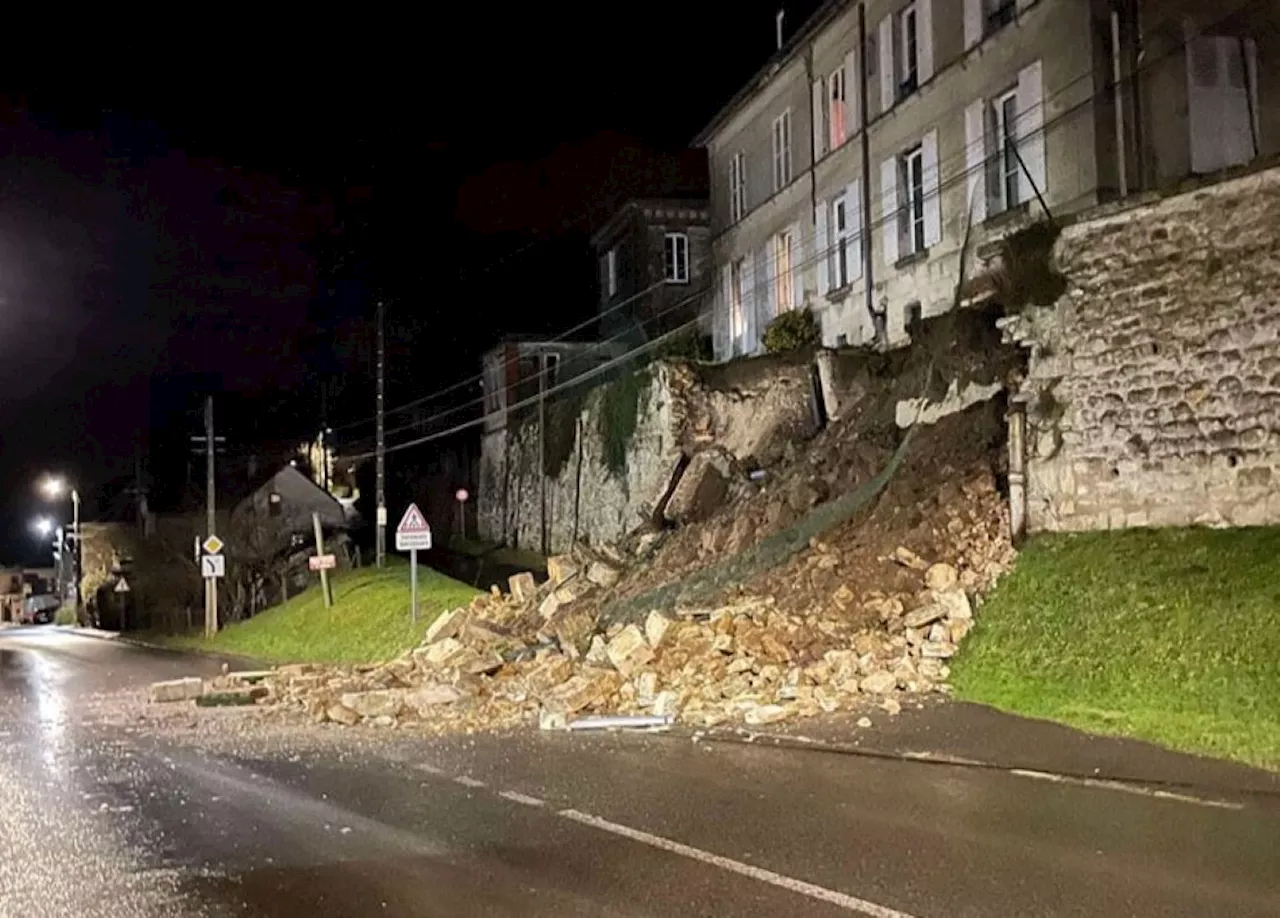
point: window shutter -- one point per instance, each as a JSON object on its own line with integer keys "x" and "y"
{"x": 821, "y": 248}
{"x": 925, "y": 12}
{"x": 975, "y": 159}
{"x": 853, "y": 217}
{"x": 887, "y": 88}
{"x": 972, "y": 23}
{"x": 722, "y": 321}
{"x": 932, "y": 190}
{"x": 852, "y": 94}
{"x": 819, "y": 106}
{"x": 797, "y": 267}
{"x": 749, "y": 304}
{"x": 889, "y": 209}
{"x": 1251, "y": 74}
{"x": 1031, "y": 131}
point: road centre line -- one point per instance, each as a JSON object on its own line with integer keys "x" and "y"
{"x": 821, "y": 893}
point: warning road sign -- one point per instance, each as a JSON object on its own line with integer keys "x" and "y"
{"x": 413, "y": 533}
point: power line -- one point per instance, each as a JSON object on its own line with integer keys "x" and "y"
{"x": 865, "y": 239}
{"x": 453, "y": 387}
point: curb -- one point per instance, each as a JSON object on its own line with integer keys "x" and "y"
{"x": 1153, "y": 786}
{"x": 118, "y": 638}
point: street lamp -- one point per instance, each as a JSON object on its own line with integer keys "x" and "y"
{"x": 43, "y": 525}
{"x": 53, "y": 488}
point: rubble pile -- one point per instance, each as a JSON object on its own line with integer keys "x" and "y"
{"x": 536, "y": 653}
{"x": 871, "y": 612}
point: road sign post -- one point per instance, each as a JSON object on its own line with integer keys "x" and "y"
{"x": 413, "y": 534}
{"x": 324, "y": 571}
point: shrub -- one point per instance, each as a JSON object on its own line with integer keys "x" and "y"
{"x": 791, "y": 331}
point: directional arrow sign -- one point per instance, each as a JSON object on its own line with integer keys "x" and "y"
{"x": 413, "y": 533}
{"x": 213, "y": 566}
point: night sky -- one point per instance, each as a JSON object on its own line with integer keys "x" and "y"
{"x": 168, "y": 207}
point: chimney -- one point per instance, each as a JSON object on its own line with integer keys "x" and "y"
{"x": 782, "y": 14}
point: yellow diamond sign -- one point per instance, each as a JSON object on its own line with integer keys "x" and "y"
{"x": 213, "y": 545}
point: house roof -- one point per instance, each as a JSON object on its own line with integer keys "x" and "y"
{"x": 265, "y": 478}
{"x": 814, "y": 24}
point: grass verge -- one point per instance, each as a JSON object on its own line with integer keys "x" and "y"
{"x": 1166, "y": 635}
{"x": 369, "y": 620}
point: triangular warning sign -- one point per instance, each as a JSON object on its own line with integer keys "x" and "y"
{"x": 413, "y": 521}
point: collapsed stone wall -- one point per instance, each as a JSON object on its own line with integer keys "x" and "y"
{"x": 1153, "y": 393}
{"x": 747, "y": 413}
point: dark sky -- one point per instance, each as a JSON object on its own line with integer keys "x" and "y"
{"x": 159, "y": 193}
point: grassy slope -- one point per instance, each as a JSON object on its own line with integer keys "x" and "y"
{"x": 1171, "y": 635}
{"x": 369, "y": 620}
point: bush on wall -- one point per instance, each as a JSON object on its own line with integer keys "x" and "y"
{"x": 791, "y": 331}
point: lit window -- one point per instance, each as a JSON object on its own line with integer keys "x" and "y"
{"x": 782, "y": 151}
{"x": 836, "y": 110}
{"x": 675, "y": 258}
{"x": 737, "y": 304}
{"x": 783, "y": 279}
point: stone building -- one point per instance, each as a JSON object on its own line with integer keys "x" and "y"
{"x": 653, "y": 267}
{"x": 846, "y": 172}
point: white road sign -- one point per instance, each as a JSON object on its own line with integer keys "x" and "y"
{"x": 213, "y": 566}
{"x": 413, "y": 533}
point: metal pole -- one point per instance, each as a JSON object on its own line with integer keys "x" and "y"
{"x": 76, "y": 558}
{"x": 413, "y": 584}
{"x": 868, "y": 263}
{"x": 1122, "y": 165}
{"x": 324, "y": 574}
{"x": 211, "y": 584}
{"x": 381, "y": 448}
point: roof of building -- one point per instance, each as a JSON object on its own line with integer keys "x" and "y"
{"x": 610, "y": 226}
{"x": 792, "y": 47}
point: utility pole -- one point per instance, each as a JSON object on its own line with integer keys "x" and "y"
{"x": 542, "y": 450}
{"x": 381, "y": 447}
{"x": 210, "y": 583}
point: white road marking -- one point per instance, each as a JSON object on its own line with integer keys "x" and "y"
{"x": 429, "y": 769}
{"x": 468, "y": 782}
{"x": 821, "y": 893}
{"x": 1136, "y": 789}
{"x": 517, "y": 797}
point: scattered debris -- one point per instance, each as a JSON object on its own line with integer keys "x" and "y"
{"x": 176, "y": 690}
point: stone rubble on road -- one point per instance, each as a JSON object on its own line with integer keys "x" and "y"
{"x": 502, "y": 662}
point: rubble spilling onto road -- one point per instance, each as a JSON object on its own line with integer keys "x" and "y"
{"x": 879, "y": 622}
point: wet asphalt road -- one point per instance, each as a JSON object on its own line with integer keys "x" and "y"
{"x": 105, "y": 821}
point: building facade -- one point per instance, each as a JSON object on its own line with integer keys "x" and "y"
{"x": 517, "y": 370}
{"x": 847, "y": 175}
{"x": 653, "y": 256}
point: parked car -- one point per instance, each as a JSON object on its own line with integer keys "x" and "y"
{"x": 40, "y": 610}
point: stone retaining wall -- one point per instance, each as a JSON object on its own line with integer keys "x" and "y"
{"x": 1153, "y": 394}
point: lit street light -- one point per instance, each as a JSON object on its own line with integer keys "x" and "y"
{"x": 43, "y": 525}
{"x": 53, "y": 488}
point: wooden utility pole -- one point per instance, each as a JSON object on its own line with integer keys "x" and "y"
{"x": 380, "y": 528}
{"x": 210, "y": 583}
{"x": 542, "y": 450}
{"x": 324, "y": 574}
